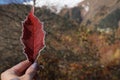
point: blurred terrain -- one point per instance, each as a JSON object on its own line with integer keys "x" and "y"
{"x": 79, "y": 45}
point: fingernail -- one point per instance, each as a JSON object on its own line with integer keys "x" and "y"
{"x": 34, "y": 65}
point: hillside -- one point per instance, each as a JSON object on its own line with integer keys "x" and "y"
{"x": 73, "y": 51}
{"x": 101, "y": 13}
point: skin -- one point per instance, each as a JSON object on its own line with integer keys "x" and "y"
{"x": 22, "y": 71}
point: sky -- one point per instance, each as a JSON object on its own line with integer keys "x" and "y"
{"x": 58, "y": 4}
{"x": 12, "y": 1}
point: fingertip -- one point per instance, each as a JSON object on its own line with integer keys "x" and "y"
{"x": 27, "y": 61}
{"x": 32, "y": 69}
{"x": 34, "y": 65}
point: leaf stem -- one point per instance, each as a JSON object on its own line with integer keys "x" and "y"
{"x": 33, "y": 7}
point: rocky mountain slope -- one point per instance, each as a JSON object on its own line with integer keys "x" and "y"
{"x": 100, "y": 13}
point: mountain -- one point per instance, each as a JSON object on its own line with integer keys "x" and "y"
{"x": 100, "y": 13}
{"x": 73, "y": 50}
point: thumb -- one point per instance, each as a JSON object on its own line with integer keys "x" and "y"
{"x": 31, "y": 71}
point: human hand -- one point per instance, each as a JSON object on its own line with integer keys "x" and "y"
{"x": 22, "y": 71}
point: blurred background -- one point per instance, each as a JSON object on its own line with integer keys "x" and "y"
{"x": 82, "y": 38}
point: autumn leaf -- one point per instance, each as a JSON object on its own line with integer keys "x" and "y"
{"x": 33, "y": 36}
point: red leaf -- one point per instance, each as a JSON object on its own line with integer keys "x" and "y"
{"x": 33, "y": 36}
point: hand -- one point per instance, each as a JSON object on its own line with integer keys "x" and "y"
{"x": 21, "y": 71}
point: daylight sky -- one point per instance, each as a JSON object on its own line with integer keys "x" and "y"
{"x": 59, "y": 4}
{"x": 12, "y": 1}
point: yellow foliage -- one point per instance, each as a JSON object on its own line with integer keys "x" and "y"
{"x": 117, "y": 54}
